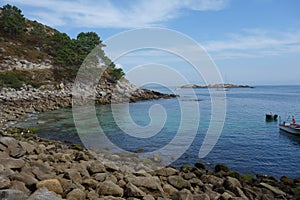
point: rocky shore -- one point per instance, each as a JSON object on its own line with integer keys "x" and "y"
{"x": 34, "y": 168}
{"x": 17, "y": 104}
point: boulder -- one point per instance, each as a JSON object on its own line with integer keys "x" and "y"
{"x": 4, "y": 182}
{"x": 96, "y": 167}
{"x": 76, "y": 194}
{"x": 26, "y": 178}
{"x": 231, "y": 183}
{"x": 166, "y": 171}
{"x": 51, "y": 184}
{"x": 169, "y": 189}
{"x": 178, "y": 182}
{"x": 109, "y": 188}
{"x": 44, "y": 194}
{"x": 216, "y": 181}
{"x": 133, "y": 191}
{"x": 73, "y": 175}
{"x": 12, "y": 163}
{"x": 182, "y": 195}
{"x": 11, "y": 194}
{"x": 273, "y": 189}
{"x": 221, "y": 167}
{"x": 18, "y": 185}
{"x": 151, "y": 182}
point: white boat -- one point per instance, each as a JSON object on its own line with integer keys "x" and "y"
{"x": 290, "y": 128}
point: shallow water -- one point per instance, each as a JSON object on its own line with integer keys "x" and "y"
{"x": 248, "y": 143}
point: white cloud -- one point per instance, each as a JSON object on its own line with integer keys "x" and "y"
{"x": 109, "y": 14}
{"x": 255, "y": 43}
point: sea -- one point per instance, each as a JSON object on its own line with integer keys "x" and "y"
{"x": 247, "y": 143}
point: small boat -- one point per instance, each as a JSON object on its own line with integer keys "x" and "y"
{"x": 290, "y": 128}
{"x": 271, "y": 117}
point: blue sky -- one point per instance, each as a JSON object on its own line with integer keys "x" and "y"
{"x": 251, "y": 42}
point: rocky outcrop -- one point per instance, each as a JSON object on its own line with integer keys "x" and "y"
{"x": 17, "y": 104}
{"x": 10, "y": 63}
{"x": 51, "y": 170}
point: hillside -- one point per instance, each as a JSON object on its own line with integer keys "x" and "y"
{"x": 36, "y": 54}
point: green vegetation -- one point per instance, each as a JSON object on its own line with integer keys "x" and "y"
{"x": 12, "y": 22}
{"x": 15, "y": 79}
{"x": 36, "y": 42}
{"x": 33, "y": 129}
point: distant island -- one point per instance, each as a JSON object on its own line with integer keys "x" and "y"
{"x": 227, "y": 85}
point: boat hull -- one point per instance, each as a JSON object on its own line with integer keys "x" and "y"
{"x": 289, "y": 129}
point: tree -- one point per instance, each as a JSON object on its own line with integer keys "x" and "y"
{"x": 88, "y": 41}
{"x": 12, "y": 22}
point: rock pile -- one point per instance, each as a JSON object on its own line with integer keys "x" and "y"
{"x": 33, "y": 168}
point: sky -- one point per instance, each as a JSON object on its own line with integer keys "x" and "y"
{"x": 255, "y": 42}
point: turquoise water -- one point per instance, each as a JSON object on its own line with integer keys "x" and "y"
{"x": 248, "y": 143}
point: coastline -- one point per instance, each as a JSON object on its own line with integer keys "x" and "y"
{"x": 35, "y": 168}
{"x": 16, "y": 105}
{"x": 30, "y": 164}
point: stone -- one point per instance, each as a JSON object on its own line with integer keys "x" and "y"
{"x": 13, "y": 147}
{"x": 51, "y": 184}
{"x": 226, "y": 196}
{"x": 76, "y": 194}
{"x": 133, "y": 191}
{"x": 29, "y": 148}
{"x": 18, "y": 185}
{"x": 100, "y": 176}
{"x": 273, "y": 189}
{"x": 216, "y": 181}
{"x": 182, "y": 195}
{"x": 12, "y": 163}
{"x": 111, "y": 178}
{"x": 166, "y": 171}
{"x": 221, "y": 167}
{"x": 67, "y": 186}
{"x": 151, "y": 182}
{"x": 96, "y": 167}
{"x": 44, "y": 194}
{"x": 231, "y": 183}
{"x": 178, "y": 182}
{"x": 111, "y": 166}
{"x": 200, "y": 165}
{"x": 169, "y": 189}
{"x": 90, "y": 183}
{"x": 148, "y": 197}
{"x": 201, "y": 197}
{"x": 189, "y": 175}
{"x": 240, "y": 193}
{"x": 110, "y": 188}
{"x": 4, "y": 182}
{"x": 92, "y": 195}
{"x": 73, "y": 175}
{"x": 26, "y": 178}
{"x": 213, "y": 195}
{"x": 11, "y": 194}
{"x": 196, "y": 181}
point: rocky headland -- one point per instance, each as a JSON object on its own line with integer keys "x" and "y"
{"x": 227, "y": 85}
